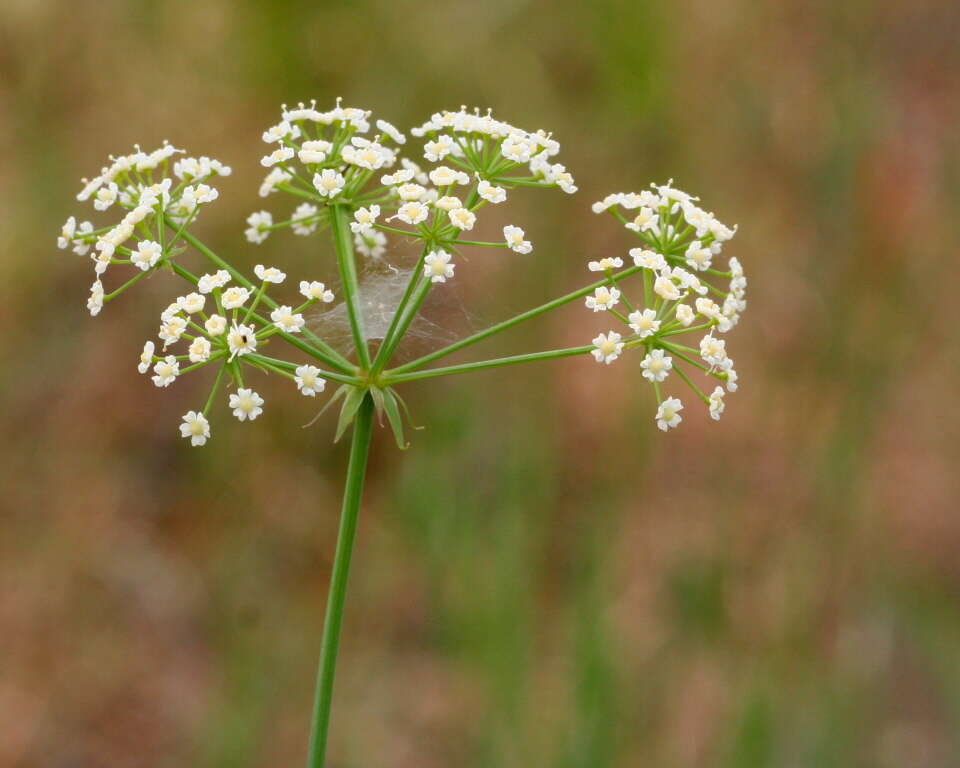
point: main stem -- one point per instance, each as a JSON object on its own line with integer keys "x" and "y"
{"x": 356, "y": 470}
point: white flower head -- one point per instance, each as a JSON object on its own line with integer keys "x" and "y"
{"x": 147, "y": 255}
{"x": 280, "y": 131}
{"x": 95, "y": 301}
{"x": 308, "y": 380}
{"x": 372, "y": 245}
{"x": 388, "y": 129}
{"x": 668, "y": 414}
{"x": 207, "y": 283}
{"x": 713, "y": 350}
{"x": 443, "y": 176}
{"x": 242, "y": 340}
{"x": 235, "y": 297}
{"x": 408, "y": 192}
{"x": 514, "y": 239}
{"x": 716, "y": 403}
{"x": 648, "y": 259}
{"x": 279, "y": 155}
{"x": 246, "y": 404}
{"x": 607, "y": 347}
{"x": 269, "y": 274}
{"x": 697, "y": 256}
{"x": 437, "y": 266}
{"x": 146, "y": 357}
{"x": 656, "y": 365}
{"x": 303, "y": 219}
{"x": 685, "y": 315}
{"x": 273, "y": 179}
{"x": 195, "y": 427}
{"x": 215, "y": 325}
{"x": 259, "y": 226}
{"x": 314, "y": 151}
{"x": 448, "y": 203}
{"x": 412, "y": 213}
{"x": 199, "y": 350}
{"x": 644, "y": 323}
{"x": 364, "y": 219}
{"x": 192, "y": 303}
{"x": 605, "y": 264}
{"x": 328, "y": 183}
{"x": 437, "y": 149}
{"x": 491, "y": 193}
{"x": 603, "y": 298}
{"x": 284, "y": 319}
{"x": 462, "y": 218}
{"x": 316, "y": 290}
{"x": 166, "y": 371}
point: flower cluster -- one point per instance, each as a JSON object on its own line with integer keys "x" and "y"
{"x": 680, "y": 245}
{"x": 325, "y": 159}
{"x": 160, "y": 194}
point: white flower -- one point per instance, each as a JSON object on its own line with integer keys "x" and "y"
{"x": 279, "y": 155}
{"x": 146, "y": 357}
{"x": 656, "y": 366}
{"x": 105, "y": 197}
{"x": 365, "y": 154}
{"x": 603, "y": 298}
{"x": 664, "y": 287}
{"x": 196, "y": 427}
{"x": 199, "y": 350}
{"x": 242, "y": 340}
{"x": 644, "y": 323}
{"x": 316, "y": 291}
{"x": 269, "y": 274}
{"x": 684, "y": 314}
{"x": 192, "y": 196}
{"x": 314, "y": 151}
{"x": 606, "y": 264}
{"x": 562, "y": 178}
{"x": 259, "y": 222}
{"x": 215, "y": 325}
{"x": 437, "y": 266}
{"x": 713, "y": 350}
{"x": 147, "y": 255}
{"x": 192, "y": 303}
{"x": 518, "y": 148}
{"x": 173, "y": 310}
{"x": 208, "y": 282}
{"x": 646, "y": 219}
{"x": 408, "y": 192}
{"x": 439, "y": 148}
{"x": 172, "y": 329}
{"x": 462, "y": 219}
{"x": 95, "y": 302}
{"x": 328, "y": 183}
{"x": 166, "y": 371}
{"x": 648, "y": 259}
{"x": 716, "y": 403}
{"x": 668, "y": 414}
{"x": 401, "y": 176}
{"x": 514, "y": 239}
{"x": 372, "y": 245}
{"x": 448, "y": 203}
{"x": 607, "y": 347}
{"x": 276, "y": 177}
{"x": 732, "y": 377}
{"x": 364, "y": 219}
{"x": 246, "y": 404}
{"x": 490, "y": 193}
{"x": 67, "y": 232}
{"x": 697, "y": 256}
{"x": 698, "y": 218}
{"x": 443, "y": 176}
{"x": 281, "y": 131}
{"x": 308, "y": 380}
{"x": 285, "y": 320}
{"x": 390, "y": 130}
{"x": 608, "y": 202}
{"x": 234, "y": 297}
{"x": 412, "y": 213}
{"x": 301, "y": 223}
{"x": 710, "y": 308}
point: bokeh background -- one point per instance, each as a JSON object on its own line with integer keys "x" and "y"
{"x": 543, "y": 579}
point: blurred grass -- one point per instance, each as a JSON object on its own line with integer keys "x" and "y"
{"x": 540, "y": 580}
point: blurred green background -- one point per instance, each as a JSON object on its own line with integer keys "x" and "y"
{"x": 543, "y": 579}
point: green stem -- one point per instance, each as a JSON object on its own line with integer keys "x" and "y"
{"x": 390, "y": 377}
{"x": 356, "y": 470}
{"x": 348, "y": 273}
{"x": 382, "y": 358}
{"x": 333, "y": 358}
{"x": 494, "y": 329}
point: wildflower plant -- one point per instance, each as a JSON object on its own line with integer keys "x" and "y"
{"x": 352, "y": 182}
